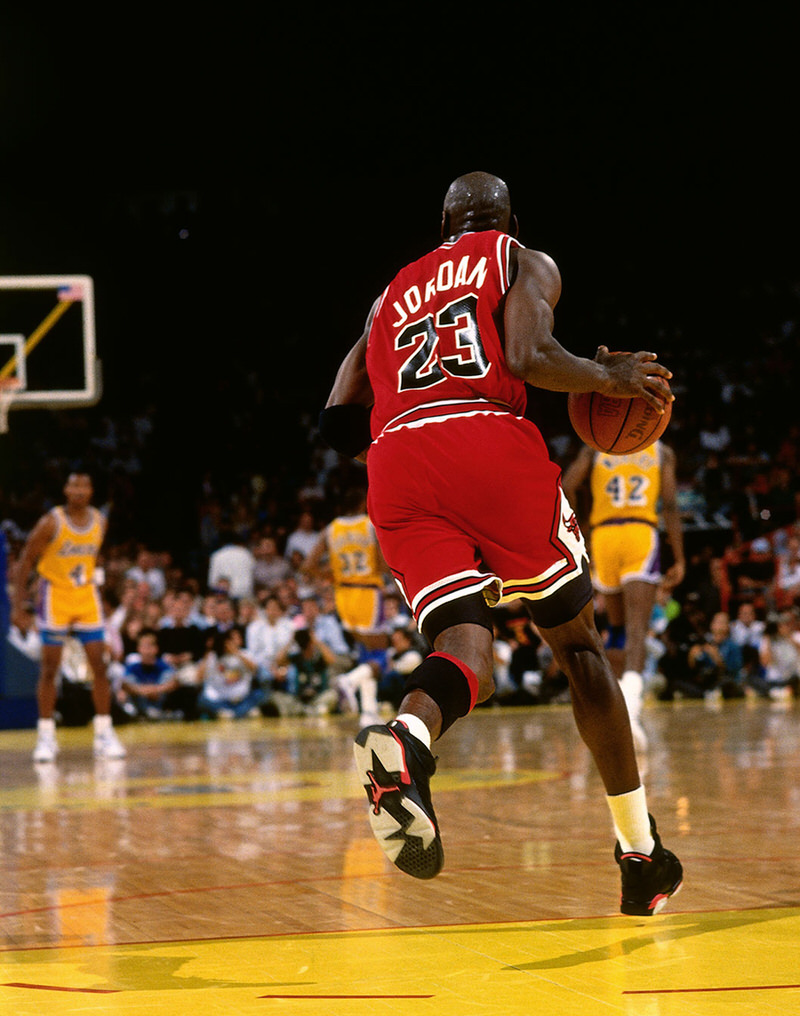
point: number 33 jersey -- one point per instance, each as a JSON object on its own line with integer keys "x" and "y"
{"x": 436, "y": 340}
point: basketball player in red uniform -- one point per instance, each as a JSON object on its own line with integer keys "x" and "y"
{"x": 469, "y": 513}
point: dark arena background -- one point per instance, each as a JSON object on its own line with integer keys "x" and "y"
{"x": 239, "y": 190}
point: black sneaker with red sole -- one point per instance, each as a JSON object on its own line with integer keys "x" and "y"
{"x": 395, "y": 768}
{"x": 648, "y": 881}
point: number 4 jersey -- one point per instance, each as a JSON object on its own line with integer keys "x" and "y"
{"x": 68, "y": 597}
{"x": 435, "y": 343}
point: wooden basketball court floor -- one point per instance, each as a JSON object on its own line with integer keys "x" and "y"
{"x": 228, "y": 868}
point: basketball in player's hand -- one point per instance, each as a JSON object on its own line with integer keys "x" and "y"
{"x": 616, "y": 426}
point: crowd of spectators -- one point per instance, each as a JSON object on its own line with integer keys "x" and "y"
{"x": 246, "y": 522}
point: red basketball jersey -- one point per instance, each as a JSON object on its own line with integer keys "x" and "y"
{"x": 437, "y": 335}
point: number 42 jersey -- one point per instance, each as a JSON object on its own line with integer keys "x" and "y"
{"x": 435, "y": 346}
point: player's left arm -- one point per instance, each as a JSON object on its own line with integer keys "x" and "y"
{"x": 671, "y": 516}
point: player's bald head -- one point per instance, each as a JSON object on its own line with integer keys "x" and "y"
{"x": 476, "y": 201}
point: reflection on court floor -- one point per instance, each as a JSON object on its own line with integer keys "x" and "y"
{"x": 229, "y": 868}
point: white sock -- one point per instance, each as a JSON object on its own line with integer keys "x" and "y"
{"x": 46, "y": 725}
{"x": 631, "y": 821}
{"x": 416, "y": 727}
{"x": 101, "y": 723}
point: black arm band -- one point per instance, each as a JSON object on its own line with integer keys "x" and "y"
{"x": 346, "y": 428}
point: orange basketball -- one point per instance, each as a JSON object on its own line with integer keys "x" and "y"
{"x": 613, "y": 425}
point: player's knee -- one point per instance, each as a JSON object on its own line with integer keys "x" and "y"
{"x": 577, "y": 646}
{"x": 483, "y": 668}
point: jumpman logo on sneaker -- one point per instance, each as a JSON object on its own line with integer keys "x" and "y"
{"x": 377, "y": 792}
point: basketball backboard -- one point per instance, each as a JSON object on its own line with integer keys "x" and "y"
{"x": 47, "y": 343}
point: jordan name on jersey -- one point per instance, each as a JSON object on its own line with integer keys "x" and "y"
{"x": 447, "y": 277}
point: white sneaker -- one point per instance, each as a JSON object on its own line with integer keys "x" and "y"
{"x": 108, "y": 745}
{"x": 46, "y": 748}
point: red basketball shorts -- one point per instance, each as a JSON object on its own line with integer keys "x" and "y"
{"x": 472, "y": 504}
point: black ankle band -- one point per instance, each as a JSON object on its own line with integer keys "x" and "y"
{"x": 450, "y": 683}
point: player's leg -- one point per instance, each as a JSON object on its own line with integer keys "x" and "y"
{"x": 46, "y": 695}
{"x": 435, "y": 559}
{"x": 597, "y": 702}
{"x": 460, "y": 673}
{"x": 616, "y": 646}
{"x": 615, "y": 641}
{"x": 650, "y": 874}
{"x": 607, "y": 550}
{"x": 395, "y": 761}
{"x": 626, "y": 568}
{"x": 101, "y": 686}
{"x": 639, "y": 598}
{"x": 47, "y": 684}
{"x": 106, "y": 743}
{"x": 639, "y": 573}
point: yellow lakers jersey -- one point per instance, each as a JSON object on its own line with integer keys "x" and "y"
{"x": 626, "y": 487}
{"x": 353, "y": 553}
{"x": 69, "y": 560}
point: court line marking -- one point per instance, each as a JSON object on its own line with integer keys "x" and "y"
{"x": 347, "y": 996}
{"x": 681, "y": 991}
{"x": 56, "y": 987}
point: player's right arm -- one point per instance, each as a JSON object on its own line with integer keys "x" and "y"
{"x": 535, "y": 355}
{"x": 41, "y": 534}
{"x": 344, "y": 423}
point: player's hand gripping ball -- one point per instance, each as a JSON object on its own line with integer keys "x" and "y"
{"x": 616, "y": 426}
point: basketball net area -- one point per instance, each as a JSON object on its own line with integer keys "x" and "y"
{"x": 48, "y": 357}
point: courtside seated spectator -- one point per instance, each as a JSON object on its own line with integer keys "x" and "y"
{"x": 780, "y": 659}
{"x": 228, "y": 672}
{"x": 147, "y": 682}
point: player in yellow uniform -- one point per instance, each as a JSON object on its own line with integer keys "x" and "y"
{"x": 63, "y": 547}
{"x": 629, "y": 494}
{"x": 357, "y": 569}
